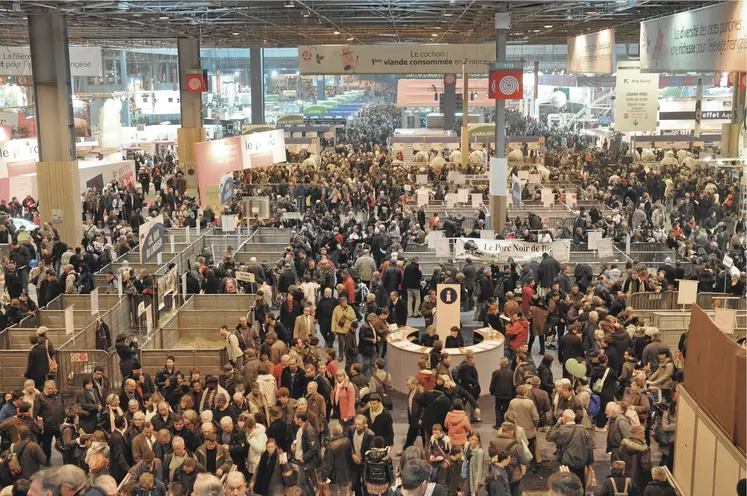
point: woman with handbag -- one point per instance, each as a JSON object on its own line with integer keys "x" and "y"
{"x": 343, "y": 399}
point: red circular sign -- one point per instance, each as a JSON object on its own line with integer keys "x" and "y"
{"x": 625, "y": 115}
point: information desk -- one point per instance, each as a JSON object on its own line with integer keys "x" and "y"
{"x": 403, "y": 355}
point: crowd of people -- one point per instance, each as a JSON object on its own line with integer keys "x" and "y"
{"x": 305, "y": 401}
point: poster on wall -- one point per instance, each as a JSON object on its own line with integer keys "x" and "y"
{"x": 592, "y": 53}
{"x": 152, "y": 239}
{"x": 637, "y": 98}
{"x": 96, "y": 183}
{"x": 263, "y": 149}
{"x": 498, "y": 176}
{"x": 395, "y": 59}
{"x": 708, "y": 39}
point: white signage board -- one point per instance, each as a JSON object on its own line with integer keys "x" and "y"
{"x": 16, "y": 61}
{"x": 463, "y": 195}
{"x": 149, "y": 319}
{"x": 431, "y": 238}
{"x": 592, "y": 237}
{"x": 423, "y": 196}
{"x": 265, "y": 147}
{"x": 451, "y": 199}
{"x": 637, "y": 98}
{"x": 421, "y": 178}
{"x": 9, "y": 118}
{"x": 500, "y": 250}
{"x": 708, "y": 39}
{"x": 95, "y": 301}
{"x": 724, "y": 319}
{"x": 561, "y": 250}
{"x": 535, "y": 178}
{"x": 476, "y": 200}
{"x": 498, "y": 176}
{"x": 487, "y": 234}
{"x": 604, "y": 248}
{"x": 592, "y": 53}
{"x": 548, "y": 197}
{"x": 395, "y": 59}
{"x": 184, "y": 286}
{"x": 70, "y": 320}
{"x": 688, "y": 292}
{"x": 228, "y": 223}
{"x": 442, "y": 248}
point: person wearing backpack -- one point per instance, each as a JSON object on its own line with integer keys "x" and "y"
{"x": 381, "y": 383}
{"x": 617, "y": 484}
{"x": 637, "y": 457}
{"x": 25, "y": 457}
{"x": 574, "y": 443}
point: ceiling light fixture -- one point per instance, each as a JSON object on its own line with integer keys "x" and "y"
{"x": 351, "y": 38}
{"x": 448, "y": 14}
{"x": 235, "y": 34}
{"x": 288, "y": 4}
{"x": 548, "y": 26}
{"x": 306, "y": 13}
{"x": 434, "y": 34}
{"x": 163, "y": 17}
{"x": 336, "y": 32}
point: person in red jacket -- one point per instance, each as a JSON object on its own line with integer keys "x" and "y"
{"x": 349, "y": 285}
{"x": 517, "y": 334}
{"x": 526, "y": 295}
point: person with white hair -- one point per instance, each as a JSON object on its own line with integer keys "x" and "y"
{"x": 618, "y": 427}
{"x": 208, "y": 485}
{"x": 575, "y": 444}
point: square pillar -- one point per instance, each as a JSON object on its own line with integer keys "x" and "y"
{"x": 188, "y": 56}
{"x": 57, "y": 169}
{"x": 257, "y": 66}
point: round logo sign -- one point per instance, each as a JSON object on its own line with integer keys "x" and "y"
{"x": 195, "y": 84}
{"x": 448, "y": 295}
{"x": 450, "y": 79}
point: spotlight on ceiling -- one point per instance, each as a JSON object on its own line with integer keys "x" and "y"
{"x": 548, "y": 26}
{"x": 448, "y": 14}
{"x": 351, "y": 38}
{"x": 288, "y": 4}
{"x": 235, "y": 34}
{"x": 306, "y": 13}
{"x": 163, "y": 17}
{"x": 336, "y": 32}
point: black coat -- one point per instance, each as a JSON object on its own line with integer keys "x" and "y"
{"x": 127, "y": 356}
{"x": 90, "y": 409}
{"x": 468, "y": 379}
{"x": 118, "y": 466}
{"x": 502, "y": 384}
{"x": 412, "y": 276}
{"x": 296, "y": 384}
{"x": 338, "y": 459}
{"x": 398, "y": 312}
{"x": 383, "y": 425}
{"x": 433, "y": 407}
{"x": 570, "y": 346}
{"x": 549, "y": 268}
{"x": 392, "y": 278}
{"x": 278, "y": 431}
{"x": 268, "y": 476}
{"x": 38, "y": 364}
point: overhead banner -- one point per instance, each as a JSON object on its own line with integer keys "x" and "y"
{"x": 708, "y": 39}
{"x": 395, "y": 59}
{"x": 592, "y": 53}
{"x": 500, "y": 250}
{"x": 152, "y": 239}
{"x": 263, "y": 149}
{"x": 637, "y": 98}
{"x": 16, "y": 61}
{"x": 226, "y": 188}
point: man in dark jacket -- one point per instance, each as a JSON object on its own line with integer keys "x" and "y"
{"x": 294, "y": 379}
{"x": 50, "y": 408}
{"x": 470, "y": 279}
{"x": 484, "y": 292}
{"x": 287, "y": 279}
{"x": 379, "y": 419}
{"x": 397, "y": 310}
{"x": 338, "y": 459}
{"x": 411, "y": 283}
{"x": 50, "y": 289}
{"x": 502, "y": 388}
{"x": 570, "y": 346}
{"x": 235, "y": 439}
{"x": 118, "y": 466}
{"x": 311, "y": 456}
{"x": 324, "y": 310}
{"x": 549, "y": 268}
{"x": 392, "y": 277}
{"x": 359, "y": 432}
{"x": 30, "y": 456}
{"x": 583, "y": 273}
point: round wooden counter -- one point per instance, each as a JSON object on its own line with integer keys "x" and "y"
{"x": 403, "y": 355}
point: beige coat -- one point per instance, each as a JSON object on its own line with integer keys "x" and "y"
{"x": 525, "y": 415}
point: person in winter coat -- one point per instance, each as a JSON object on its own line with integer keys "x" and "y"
{"x": 525, "y": 415}
{"x": 517, "y": 334}
{"x": 378, "y": 470}
{"x": 379, "y": 419}
{"x": 538, "y": 316}
{"x": 37, "y": 368}
{"x": 468, "y": 379}
{"x": 663, "y": 375}
{"x": 498, "y": 480}
{"x": 50, "y": 408}
{"x": 574, "y": 443}
{"x": 617, "y": 483}
{"x": 549, "y": 268}
{"x": 474, "y": 459}
{"x": 268, "y": 479}
{"x": 659, "y": 486}
{"x": 637, "y": 457}
{"x": 457, "y": 424}
{"x": 338, "y": 458}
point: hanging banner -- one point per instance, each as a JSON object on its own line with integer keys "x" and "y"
{"x": 592, "y": 53}
{"x": 516, "y": 191}
{"x": 708, "y": 39}
{"x": 95, "y": 301}
{"x": 605, "y": 248}
{"x": 561, "y": 250}
{"x": 226, "y": 188}
{"x": 263, "y": 149}
{"x": 152, "y": 239}
{"x": 395, "y": 59}
{"x": 637, "y": 101}
{"x": 499, "y": 250}
{"x": 84, "y": 61}
{"x": 70, "y": 320}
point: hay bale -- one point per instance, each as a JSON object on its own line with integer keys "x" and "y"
{"x": 515, "y": 156}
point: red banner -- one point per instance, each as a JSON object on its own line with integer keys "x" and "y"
{"x": 506, "y": 84}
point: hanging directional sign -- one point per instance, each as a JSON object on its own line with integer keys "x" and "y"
{"x": 637, "y": 98}
{"x": 505, "y": 84}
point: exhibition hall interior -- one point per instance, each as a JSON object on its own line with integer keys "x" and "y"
{"x": 373, "y": 248}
